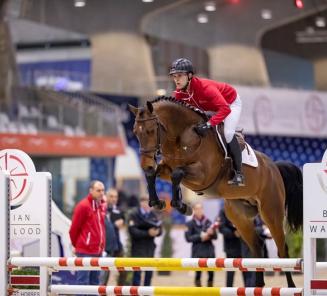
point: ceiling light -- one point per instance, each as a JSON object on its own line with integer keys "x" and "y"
{"x": 202, "y": 18}
{"x": 266, "y": 14}
{"x": 147, "y": 1}
{"x": 210, "y": 6}
{"x": 79, "y": 3}
{"x": 320, "y": 22}
{"x": 298, "y": 4}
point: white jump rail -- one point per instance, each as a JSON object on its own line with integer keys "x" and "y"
{"x": 216, "y": 264}
{"x": 182, "y": 291}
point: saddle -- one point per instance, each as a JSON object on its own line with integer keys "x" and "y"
{"x": 220, "y": 136}
{"x": 222, "y": 140}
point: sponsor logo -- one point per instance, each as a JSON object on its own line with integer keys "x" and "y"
{"x": 315, "y": 113}
{"x": 20, "y": 168}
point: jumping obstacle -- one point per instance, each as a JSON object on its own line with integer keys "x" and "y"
{"x": 181, "y": 291}
{"x": 161, "y": 264}
{"x": 315, "y": 218}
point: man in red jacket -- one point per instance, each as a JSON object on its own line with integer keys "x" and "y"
{"x": 218, "y": 97}
{"x": 87, "y": 231}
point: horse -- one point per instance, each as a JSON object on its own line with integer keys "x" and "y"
{"x": 165, "y": 126}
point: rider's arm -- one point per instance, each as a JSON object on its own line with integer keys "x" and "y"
{"x": 218, "y": 103}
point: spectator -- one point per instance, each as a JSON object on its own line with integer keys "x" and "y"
{"x": 133, "y": 201}
{"x": 87, "y": 231}
{"x": 248, "y": 276}
{"x": 263, "y": 232}
{"x": 123, "y": 200}
{"x": 200, "y": 232}
{"x": 143, "y": 226}
{"x": 235, "y": 247}
{"x": 115, "y": 221}
{"x": 232, "y": 244}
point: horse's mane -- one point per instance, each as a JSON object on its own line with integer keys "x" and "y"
{"x": 180, "y": 103}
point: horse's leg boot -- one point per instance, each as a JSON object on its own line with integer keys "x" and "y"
{"x": 154, "y": 200}
{"x": 157, "y": 204}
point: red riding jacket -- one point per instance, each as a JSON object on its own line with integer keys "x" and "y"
{"x": 209, "y": 95}
{"x": 87, "y": 231}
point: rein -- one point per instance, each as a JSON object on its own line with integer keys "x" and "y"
{"x": 147, "y": 152}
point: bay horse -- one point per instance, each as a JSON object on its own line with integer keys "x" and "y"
{"x": 273, "y": 190}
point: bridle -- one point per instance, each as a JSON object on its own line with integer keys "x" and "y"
{"x": 156, "y": 150}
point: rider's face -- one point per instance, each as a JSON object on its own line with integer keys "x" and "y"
{"x": 180, "y": 80}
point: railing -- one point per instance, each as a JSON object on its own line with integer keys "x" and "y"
{"x": 60, "y": 112}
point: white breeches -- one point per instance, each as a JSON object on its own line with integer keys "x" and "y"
{"x": 231, "y": 121}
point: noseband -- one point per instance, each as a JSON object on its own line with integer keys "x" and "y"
{"x": 156, "y": 149}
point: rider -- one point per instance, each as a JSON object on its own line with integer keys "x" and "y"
{"x": 218, "y": 97}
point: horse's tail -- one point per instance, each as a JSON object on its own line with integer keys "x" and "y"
{"x": 293, "y": 183}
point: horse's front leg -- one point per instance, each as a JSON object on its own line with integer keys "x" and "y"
{"x": 154, "y": 201}
{"x": 177, "y": 199}
{"x": 163, "y": 171}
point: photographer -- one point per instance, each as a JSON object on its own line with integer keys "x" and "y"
{"x": 200, "y": 232}
{"x": 143, "y": 227}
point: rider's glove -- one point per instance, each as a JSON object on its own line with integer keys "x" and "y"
{"x": 202, "y": 128}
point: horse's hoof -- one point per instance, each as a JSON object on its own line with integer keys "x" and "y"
{"x": 152, "y": 203}
{"x": 185, "y": 210}
{"x": 175, "y": 204}
{"x": 157, "y": 204}
{"x": 161, "y": 204}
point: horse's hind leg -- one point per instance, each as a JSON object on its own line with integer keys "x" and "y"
{"x": 177, "y": 200}
{"x": 272, "y": 213}
{"x": 242, "y": 215}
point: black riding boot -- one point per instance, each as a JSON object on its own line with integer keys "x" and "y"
{"x": 236, "y": 153}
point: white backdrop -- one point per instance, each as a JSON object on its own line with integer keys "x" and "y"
{"x": 278, "y": 111}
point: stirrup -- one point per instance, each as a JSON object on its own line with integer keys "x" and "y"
{"x": 237, "y": 180}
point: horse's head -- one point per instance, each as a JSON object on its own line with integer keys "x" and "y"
{"x": 146, "y": 129}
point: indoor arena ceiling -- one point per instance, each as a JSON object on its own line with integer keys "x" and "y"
{"x": 272, "y": 24}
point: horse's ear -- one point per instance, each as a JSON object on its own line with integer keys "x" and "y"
{"x": 150, "y": 106}
{"x": 133, "y": 109}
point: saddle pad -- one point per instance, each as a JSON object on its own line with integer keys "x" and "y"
{"x": 249, "y": 157}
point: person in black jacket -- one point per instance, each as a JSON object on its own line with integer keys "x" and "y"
{"x": 235, "y": 247}
{"x": 200, "y": 232}
{"x": 143, "y": 226}
{"x": 115, "y": 220}
{"x": 232, "y": 244}
{"x": 111, "y": 245}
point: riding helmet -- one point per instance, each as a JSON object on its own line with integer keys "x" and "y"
{"x": 181, "y": 65}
